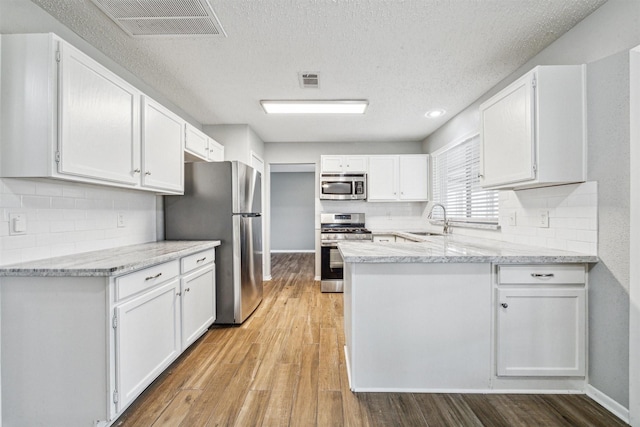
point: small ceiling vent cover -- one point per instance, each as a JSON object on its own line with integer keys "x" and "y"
{"x": 144, "y": 18}
{"x": 309, "y": 80}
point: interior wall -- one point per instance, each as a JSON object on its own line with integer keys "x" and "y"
{"x": 610, "y": 30}
{"x": 608, "y": 163}
{"x": 292, "y": 212}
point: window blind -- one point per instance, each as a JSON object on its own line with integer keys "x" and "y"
{"x": 457, "y": 186}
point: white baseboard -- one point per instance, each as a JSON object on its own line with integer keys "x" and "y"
{"x": 292, "y": 251}
{"x": 266, "y": 278}
{"x": 317, "y": 278}
{"x": 610, "y": 405}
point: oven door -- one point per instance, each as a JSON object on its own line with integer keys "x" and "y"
{"x": 331, "y": 268}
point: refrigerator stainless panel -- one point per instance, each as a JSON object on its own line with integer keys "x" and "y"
{"x": 206, "y": 211}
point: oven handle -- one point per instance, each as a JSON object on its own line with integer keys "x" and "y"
{"x": 330, "y": 243}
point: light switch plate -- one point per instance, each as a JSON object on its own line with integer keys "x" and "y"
{"x": 121, "y": 220}
{"x": 543, "y": 219}
{"x": 17, "y": 223}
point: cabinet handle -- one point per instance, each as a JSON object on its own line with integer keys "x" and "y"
{"x": 201, "y": 259}
{"x": 153, "y": 277}
{"x": 147, "y": 173}
{"x": 542, "y": 276}
{"x": 187, "y": 290}
{"x": 504, "y": 305}
{"x": 136, "y": 170}
{"x": 178, "y": 294}
{"x": 480, "y": 175}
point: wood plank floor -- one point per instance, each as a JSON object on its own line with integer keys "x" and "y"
{"x": 285, "y": 367}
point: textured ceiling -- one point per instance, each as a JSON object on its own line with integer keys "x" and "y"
{"x": 405, "y": 57}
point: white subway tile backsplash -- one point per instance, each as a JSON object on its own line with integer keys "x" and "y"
{"x": 64, "y": 218}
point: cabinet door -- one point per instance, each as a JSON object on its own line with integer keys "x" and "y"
{"x": 198, "y": 304}
{"x": 382, "y": 178}
{"x": 507, "y": 132}
{"x": 162, "y": 148}
{"x": 384, "y": 238}
{"x": 216, "y": 151}
{"x": 414, "y": 177}
{"x": 332, "y": 164}
{"x": 355, "y": 164}
{"x": 99, "y": 127}
{"x": 541, "y": 332}
{"x": 147, "y": 339}
{"x": 196, "y": 142}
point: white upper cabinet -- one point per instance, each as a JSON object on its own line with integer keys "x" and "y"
{"x": 98, "y": 121}
{"x": 196, "y": 143}
{"x": 66, "y": 116}
{"x": 398, "y": 178}
{"x": 383, "y": 178}
{"x": 343, "y": 164}
{"x": 200, "y": 147}
{"x": 533, "y": 131}
{"x": 162, "y": 148}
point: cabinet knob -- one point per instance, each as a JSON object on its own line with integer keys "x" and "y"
{"x": 187, "y": 290}
{"x": 480, "y": 175}
{"x": 136, "y": 170}
{"x": 178, "y": 294}
{"x": 147, "y": 173}
{"x": 504, "y": 305}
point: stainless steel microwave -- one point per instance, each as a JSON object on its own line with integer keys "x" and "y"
{"x": 342, "y": 186}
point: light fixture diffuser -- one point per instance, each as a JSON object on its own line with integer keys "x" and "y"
{"x": 432, "y": 114}
{"x": 315, "y": 106}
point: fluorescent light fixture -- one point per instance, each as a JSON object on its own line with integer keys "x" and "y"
{"x": 315, "y": 106}
{"x": 432, "y": 114}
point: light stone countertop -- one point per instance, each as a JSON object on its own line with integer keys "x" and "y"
{"x": 108, "y": 262}
{"x": 455, "y": 249}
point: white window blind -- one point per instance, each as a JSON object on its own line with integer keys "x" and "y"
{"x": 457, "y": 186}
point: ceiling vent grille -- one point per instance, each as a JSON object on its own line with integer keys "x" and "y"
{"x": 144, "y": 18}
{"x": 309, "y": 80}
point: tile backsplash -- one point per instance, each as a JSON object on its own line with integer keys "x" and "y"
{"x": 65, "y": 218}
{"x": 572, "y": 212}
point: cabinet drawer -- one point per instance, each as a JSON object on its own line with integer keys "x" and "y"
{"x": 144, "y": 279}
{"x": 196, "y": 260}
{"x": 541, "y": 274}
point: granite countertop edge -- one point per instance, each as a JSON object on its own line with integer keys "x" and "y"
{"x": 456, "y": 249}
{"x": 108, "y": 262}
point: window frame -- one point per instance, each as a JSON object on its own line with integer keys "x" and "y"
{"x": 491, "y": 223}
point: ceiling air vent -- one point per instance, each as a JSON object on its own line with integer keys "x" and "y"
{"x": 308, "y": 80}
{"x": 144, "y": 18}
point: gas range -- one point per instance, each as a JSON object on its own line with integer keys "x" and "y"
{"x": 342, "y": 226}
{"x": 335, "y": 228}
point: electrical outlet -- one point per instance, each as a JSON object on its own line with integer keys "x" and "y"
{"x": 543, "y": 219}
{"x": 121, "y": 220}
{"x": 512, "y": 219}
{"x": 17, "y": 223}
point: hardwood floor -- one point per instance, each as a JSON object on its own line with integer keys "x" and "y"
{"x": 285, "y": 367}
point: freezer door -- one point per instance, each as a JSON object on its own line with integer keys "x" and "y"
{"x": 250, "y": 265}
{"x": 249, "y": 189}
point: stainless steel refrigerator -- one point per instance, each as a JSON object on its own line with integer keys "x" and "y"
{"x": 222, "y": 201}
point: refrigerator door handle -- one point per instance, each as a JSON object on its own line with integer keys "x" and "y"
{"x": 248, "y": 215}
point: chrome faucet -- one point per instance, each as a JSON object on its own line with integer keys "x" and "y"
{"x": 445, "y": 229}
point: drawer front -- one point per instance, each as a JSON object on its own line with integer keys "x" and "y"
{"x": 560, "y": 274}
{"x": 191, "y": 262}
{"x": 133, "y": 283}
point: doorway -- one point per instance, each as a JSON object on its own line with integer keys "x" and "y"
{"x": 292, "y": 207}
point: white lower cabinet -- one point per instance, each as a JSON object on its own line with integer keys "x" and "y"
{"x": 97, "y": 341}
{"x": 541, "y": 322}
{"x": 147, "y": 338}
{"x": 384, "y": 238}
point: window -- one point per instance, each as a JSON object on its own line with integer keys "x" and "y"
{"x": 456, "y": 184}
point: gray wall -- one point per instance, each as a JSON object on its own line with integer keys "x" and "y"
{"x": 608, "y": 95}
{"x": 292, "y": 211}
{"x": 602, "y": 41}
